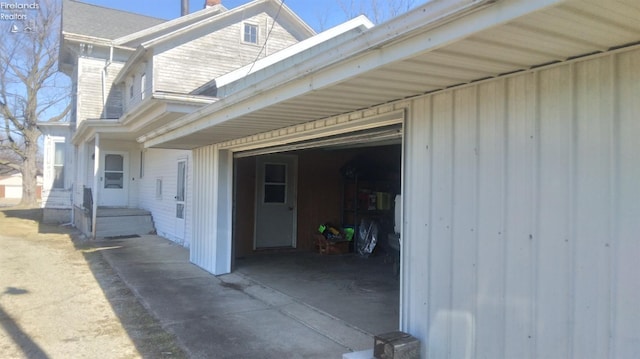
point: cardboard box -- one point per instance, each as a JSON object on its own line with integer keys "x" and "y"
{"x": 327, "y": 247}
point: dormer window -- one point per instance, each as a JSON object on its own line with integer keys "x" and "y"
{"x": 250, "y": 33}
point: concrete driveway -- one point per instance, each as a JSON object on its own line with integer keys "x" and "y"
{"x": 141, "y": 297}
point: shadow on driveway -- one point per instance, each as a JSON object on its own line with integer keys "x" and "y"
{"x": 30, "y": 348}
{"x": 144, "y": 330}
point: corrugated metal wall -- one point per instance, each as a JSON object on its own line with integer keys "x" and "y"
{"x": 212, "y": 209}
{"x": 522, "y": 215}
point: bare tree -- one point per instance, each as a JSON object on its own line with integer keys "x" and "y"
{"x": 377, "y": 11}
{"x": 31, "y": 88}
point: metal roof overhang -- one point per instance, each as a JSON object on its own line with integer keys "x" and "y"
{"x": 156, "y": 111}
{"x": 496, "y": 39}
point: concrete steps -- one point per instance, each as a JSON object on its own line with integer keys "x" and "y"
{"x": 119, "y": 222}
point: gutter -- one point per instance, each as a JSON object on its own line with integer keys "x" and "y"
{"x": 444, "y": 11}
{"x": 171, "y": 25}
{"x": 139, "y": 53}
{"x": 128, "y": 117}
{"x": 104, "y": 80}
{"x": 94, "y": 40}
{"x": 83, "y": 131}
{"x": 85, "y": 128}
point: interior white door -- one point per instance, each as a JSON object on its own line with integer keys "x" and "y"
{"x": 113, "y": 179}
{"x": 181, "y": 191}
{"x": 276, "y": 201}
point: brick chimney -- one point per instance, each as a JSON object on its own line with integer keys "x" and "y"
{"x": 184, "y": 7}
{"x": 210, "y": 3}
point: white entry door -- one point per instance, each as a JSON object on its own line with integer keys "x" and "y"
{"x": 276, "y": 201}
{"x": 181, "y": 191}
{"x": 113, "y": 179}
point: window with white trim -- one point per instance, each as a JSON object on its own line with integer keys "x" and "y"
{"x": 275, "y": 183}
{"x": 250, "y": 34}
{"x": 58, "y": 165}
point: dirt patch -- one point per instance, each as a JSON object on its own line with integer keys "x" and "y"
{"x": 60, "y": 298}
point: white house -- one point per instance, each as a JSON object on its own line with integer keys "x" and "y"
{"x": 514, "y": 127}
{"x": 132, "y": 74}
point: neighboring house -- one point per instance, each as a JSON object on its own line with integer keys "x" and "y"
{"x": 11, "y": 186}
{"x": 515, "y": 124}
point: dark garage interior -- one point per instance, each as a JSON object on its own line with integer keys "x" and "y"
{"x": 338, "y": 187}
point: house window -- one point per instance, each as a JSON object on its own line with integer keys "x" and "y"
{"x": 114, "y": 171}
{"x": 143, "y": 83}
{"x": 58, "y": 165}
{"x": 131, "y": 91}
{"x": 251, "y": 33}
{"x": 275, "y": 183}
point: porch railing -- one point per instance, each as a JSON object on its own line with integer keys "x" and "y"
{"x": 87, "y": 201}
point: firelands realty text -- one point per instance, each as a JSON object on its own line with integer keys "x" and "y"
{"x": 19, "y": 6}
{"x": 16, "y": 10}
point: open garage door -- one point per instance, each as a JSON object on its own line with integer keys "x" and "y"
{"x": 372, "y": 137}
{"x": 342, "y": 180}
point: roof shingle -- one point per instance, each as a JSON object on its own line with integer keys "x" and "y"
{"x": 101, "y": 22}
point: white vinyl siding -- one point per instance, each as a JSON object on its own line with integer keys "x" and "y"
{"x": 213, "y": 178}
{"x": 94, "y": 103}
{"x": 90, "y": 105}
{"x": 214, "y": 53}
{"x": 58, "y": 163}
{"x": 114, "y": 102}
{"x": 521, "y": 215}
{"x": 161, "y": 170}
{"x": 138, "y": 85}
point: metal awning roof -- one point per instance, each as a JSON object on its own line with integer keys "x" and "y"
{"x": 491, "y": 40}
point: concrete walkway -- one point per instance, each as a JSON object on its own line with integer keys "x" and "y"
{"x": 229, "y": 316}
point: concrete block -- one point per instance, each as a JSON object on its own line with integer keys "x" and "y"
{"x": 56, "y": 215}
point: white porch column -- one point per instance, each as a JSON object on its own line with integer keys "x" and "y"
{"x": 212, "y": 209}
{"x": 96, "y": 184}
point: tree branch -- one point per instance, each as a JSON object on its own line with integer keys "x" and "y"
{"x": 9, "y": 164}
{"x": 62, "y": 115}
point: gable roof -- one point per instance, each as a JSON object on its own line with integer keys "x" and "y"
{"x": 216, "y": 14}
{"x": 344, "y": 32}
{"x": 150, "y": 33}
{"x": 101, "y": 22}
{"x": 182, "y": 27}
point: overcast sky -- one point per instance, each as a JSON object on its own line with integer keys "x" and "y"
{"x": 319, "y": 14}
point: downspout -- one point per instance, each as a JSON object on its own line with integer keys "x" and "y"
{"x": 266, "y": 36}
{"x": 104, "y": 81}
{"x": 96, "y": 185}
{"x": 73, "y": 185}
